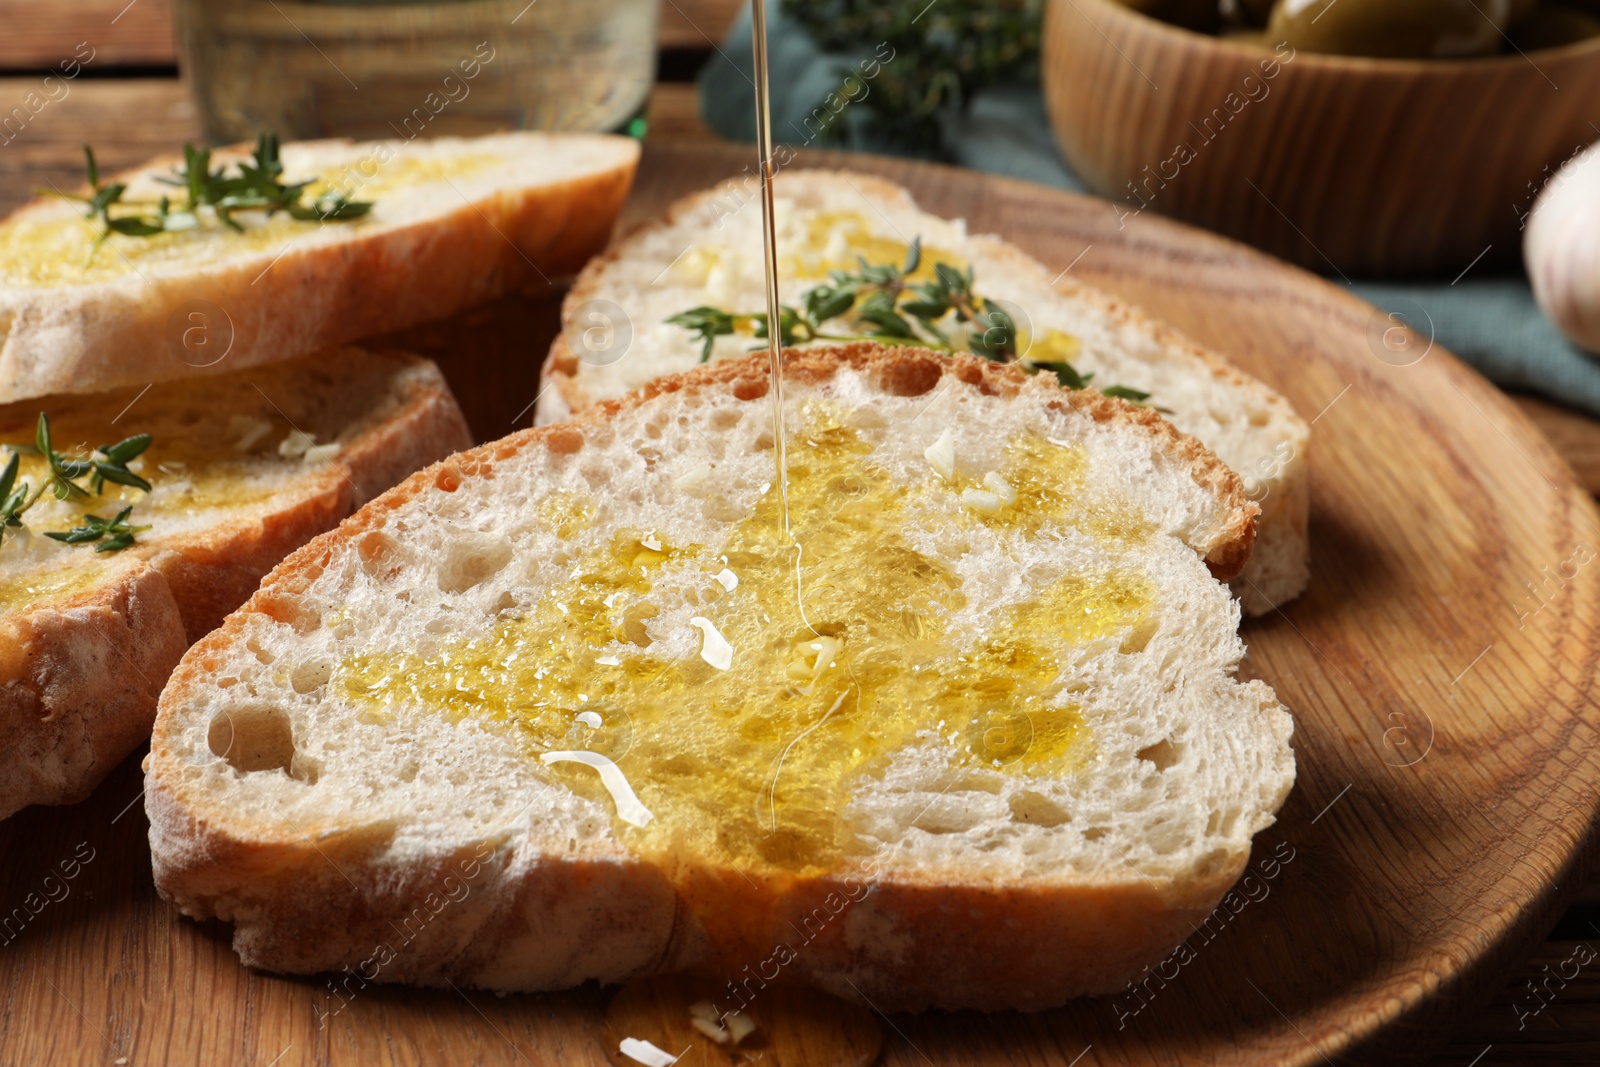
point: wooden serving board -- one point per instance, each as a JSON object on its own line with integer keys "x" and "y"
{"x": 1439, "y": 669}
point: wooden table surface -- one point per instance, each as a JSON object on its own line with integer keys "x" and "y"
{"x": 129, "y": 119}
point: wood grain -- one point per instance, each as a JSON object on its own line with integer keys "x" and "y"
{"x": 1344, "y": 165}
{"x": 1576, "y": 436}
{"x": 1414, "y": 890}
{"x": 40, "y": 33}
{"x": 697, "y": 23}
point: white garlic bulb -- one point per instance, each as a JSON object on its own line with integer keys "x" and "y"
{"x": 1562, "y": 249}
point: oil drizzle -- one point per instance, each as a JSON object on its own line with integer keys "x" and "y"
{"x": 753, "y": 765}
{"x": 769, "y": 239}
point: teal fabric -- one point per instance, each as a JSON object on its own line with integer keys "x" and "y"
{"x": 1489, "y": 320}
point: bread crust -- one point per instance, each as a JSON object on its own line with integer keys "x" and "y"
{"x": 312, "y": 896}
{"x": 81, "y": 679}
{"x": 89, "y": 338}
{"x": 81, "y": 674}
{"x": 1279, "y": 566}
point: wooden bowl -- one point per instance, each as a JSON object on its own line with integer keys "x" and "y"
{"x": 1345, "y": 165}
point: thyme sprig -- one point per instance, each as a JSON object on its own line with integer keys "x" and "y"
{"x": 884, "y": 306}
{"x": 108, "y": 463}
{"x": 257, "y": 185}
{"x": 930, "y": 62}
{"x": 113, "y": 534}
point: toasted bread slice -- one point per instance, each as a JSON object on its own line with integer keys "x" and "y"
{"x": 707, "y": 251}
{"x": 550, "y": 711}
{"x": 455, "y": 222}
{"x": 244, "y": 469}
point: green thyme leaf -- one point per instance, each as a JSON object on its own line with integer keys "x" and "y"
{"x": 64, "y": 471}
{"x": 1065, "y": 373}
{"x": 13, "y": 496}
{"x": 709, "y": 322}
{"x": 829, "y": 302}
{"x": 884, "y": 308}
{"x": 114, "y": 534}
{"x": 790, "y": 326}
{"x": 257, "y": 185}
{"x": 884, "y": 322}
{"x": 997, "y": 340}
{"x": 108, "y": 463}
{"x": 913, "y": 257}
{"x": 915, "y": 67}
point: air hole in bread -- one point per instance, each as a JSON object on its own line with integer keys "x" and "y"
{"x": 1139, "y": 637}
{"x": 1163, "y": 754}
{"x": 632, "y": 628}
{"x": 293, "y": 611}
{"x": 949, "y": 815}
{"x": 1222, "y": 822}
{"x": 310, "y": 675}
{"x": 252, "y": 738}
{"x": 378, "y": 552}
{"x": 564, "y": 441}
{"x": 262, "y": 655}
{"x": 470, "y": 561}
{"x": 1095, "y": 833}
{"x": 750, "y": 388}
{"x": 1259, "y": 417}
{"x": 1036, "y": 809}
{"x": 448, "y": 477}
{"x": 726, "y": 418}
{"x": 912, "y": 377}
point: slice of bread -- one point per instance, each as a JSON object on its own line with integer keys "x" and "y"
{"x": 244, "y": 469}
{"x": 707, "y": 251}
{"x": 455, "y": 222}
{"x": 549, "y": 711}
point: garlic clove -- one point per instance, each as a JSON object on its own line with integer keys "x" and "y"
{"x": 1562, "y": 249}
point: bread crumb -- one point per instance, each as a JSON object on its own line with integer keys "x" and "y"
{"x": 941, "y": 456}
{"x": 641, "y": 1051}
{"x": 1000, "y": 488}
{"x": 982, "y": 501}
{"x": 715, "y": 650}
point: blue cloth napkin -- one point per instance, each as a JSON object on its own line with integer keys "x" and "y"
{"x": 1491, "y": 321}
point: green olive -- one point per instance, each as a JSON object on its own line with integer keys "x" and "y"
{"x": 1417, "y": 29}
{"x": 1551, "y": 26}
{"x": 1201, "y": 15}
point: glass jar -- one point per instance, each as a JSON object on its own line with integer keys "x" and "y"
{"x": 353, "y": 68}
